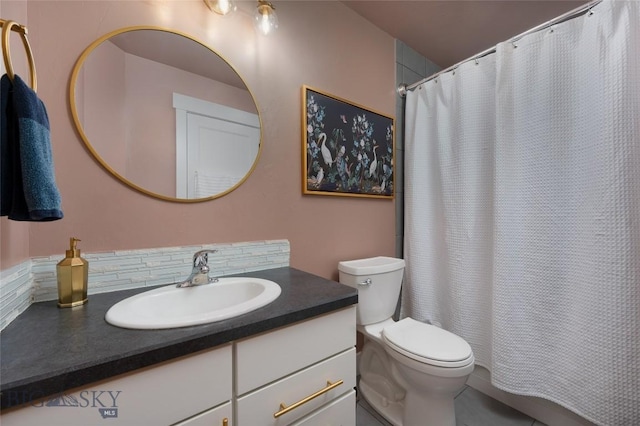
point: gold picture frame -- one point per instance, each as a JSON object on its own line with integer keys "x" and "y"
{"x": 347, "y": 149}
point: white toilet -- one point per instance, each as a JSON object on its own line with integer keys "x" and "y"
{"x": 410, "y": 371}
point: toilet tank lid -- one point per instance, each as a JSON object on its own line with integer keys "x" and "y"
{"x": 370, "y": 266}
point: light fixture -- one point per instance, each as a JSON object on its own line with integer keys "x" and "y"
{"x": 221, "y": 7}
{"x": 265, "y": 18}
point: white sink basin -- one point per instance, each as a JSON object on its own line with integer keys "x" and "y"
{"x": 172, "y": 307}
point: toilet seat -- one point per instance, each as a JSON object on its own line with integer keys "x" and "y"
{"x": 427, "y": 344}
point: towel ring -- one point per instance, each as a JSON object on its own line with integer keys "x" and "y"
{"x": 7, "y": 26}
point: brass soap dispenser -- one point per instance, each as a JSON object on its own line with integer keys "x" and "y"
{"x": 73, "y": 277}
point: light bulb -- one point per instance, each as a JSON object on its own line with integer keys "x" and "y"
{"x": 265, "y": 17}
{"x": 221, "y": 7}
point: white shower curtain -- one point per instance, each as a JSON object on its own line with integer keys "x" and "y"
{"x": 522, "y": 212}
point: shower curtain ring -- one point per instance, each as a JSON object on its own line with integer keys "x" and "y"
{"x": 402, "y": 90}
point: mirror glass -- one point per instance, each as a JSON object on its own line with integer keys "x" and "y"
{"x": 165, "y": 114}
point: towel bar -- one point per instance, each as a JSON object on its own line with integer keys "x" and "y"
{"x": 7, "y": 27}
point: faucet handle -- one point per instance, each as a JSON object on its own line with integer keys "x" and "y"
{"x": 201, "y": 258}
{"x": 200, "y": 273}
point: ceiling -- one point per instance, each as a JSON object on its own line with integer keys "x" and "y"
{"x": 178, "y": 51}
{"x": 449, "y": 31}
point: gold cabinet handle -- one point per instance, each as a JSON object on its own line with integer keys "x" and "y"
{"x": 284, "y": 409}
{"x": 225, "y": 422}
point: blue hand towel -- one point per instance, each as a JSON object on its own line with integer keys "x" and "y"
{"x": 12, "y": 196}
{"x": 6, "y": 157}
{"x": 28, "y": 182}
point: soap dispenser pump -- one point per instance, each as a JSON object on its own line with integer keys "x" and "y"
{"x": 73, "y": 277}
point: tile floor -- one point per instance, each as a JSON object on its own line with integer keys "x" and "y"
{"x": 473, "y": 408}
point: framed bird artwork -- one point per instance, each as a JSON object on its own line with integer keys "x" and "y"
{"x": 347, "y": 149}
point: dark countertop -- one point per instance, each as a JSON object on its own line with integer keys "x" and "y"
{"x": 48, "y": 350}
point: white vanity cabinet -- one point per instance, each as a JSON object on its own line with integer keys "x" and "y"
{"x": 309, "y": 367}
{"x": 278, "y": 372}
{"x": 163, "y": 394}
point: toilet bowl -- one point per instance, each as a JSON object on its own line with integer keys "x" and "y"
{"x": 410, "y": 371}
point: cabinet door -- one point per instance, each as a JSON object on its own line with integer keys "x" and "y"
{"x": 294, "y": 392}
{"x": 339, "y": 412}
{"x": 219, "y": 416}
{"x": 158, "y": 395}
{"x": 293, "y": 348}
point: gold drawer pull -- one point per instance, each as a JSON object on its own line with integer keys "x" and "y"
{"x": 225, "y": 422}
{"x": 284, "y": 409}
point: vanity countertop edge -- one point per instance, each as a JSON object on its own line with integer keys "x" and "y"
{"x": 48, "y": 350}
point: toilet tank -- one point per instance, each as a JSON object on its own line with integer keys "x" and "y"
{"x": 378, "y": 280}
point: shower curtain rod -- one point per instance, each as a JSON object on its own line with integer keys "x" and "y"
{"x": 404, "y": 88}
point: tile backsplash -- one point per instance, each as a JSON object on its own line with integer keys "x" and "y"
{"x": 15, "y": 292}
{"x": 35, "y": 280}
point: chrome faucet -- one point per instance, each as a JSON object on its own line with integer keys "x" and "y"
{"x": 200, "y": 273}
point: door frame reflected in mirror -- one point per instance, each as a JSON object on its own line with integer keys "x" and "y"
{"x": 198, "y": 123}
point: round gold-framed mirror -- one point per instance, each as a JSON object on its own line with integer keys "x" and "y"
{"x": 165, "y": 114}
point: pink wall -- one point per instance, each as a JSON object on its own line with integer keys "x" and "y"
{"x": 322, "y": 44}
{"x": 103, "y": 78}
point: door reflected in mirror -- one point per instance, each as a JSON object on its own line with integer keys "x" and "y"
{"x": 165, "y": 114}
